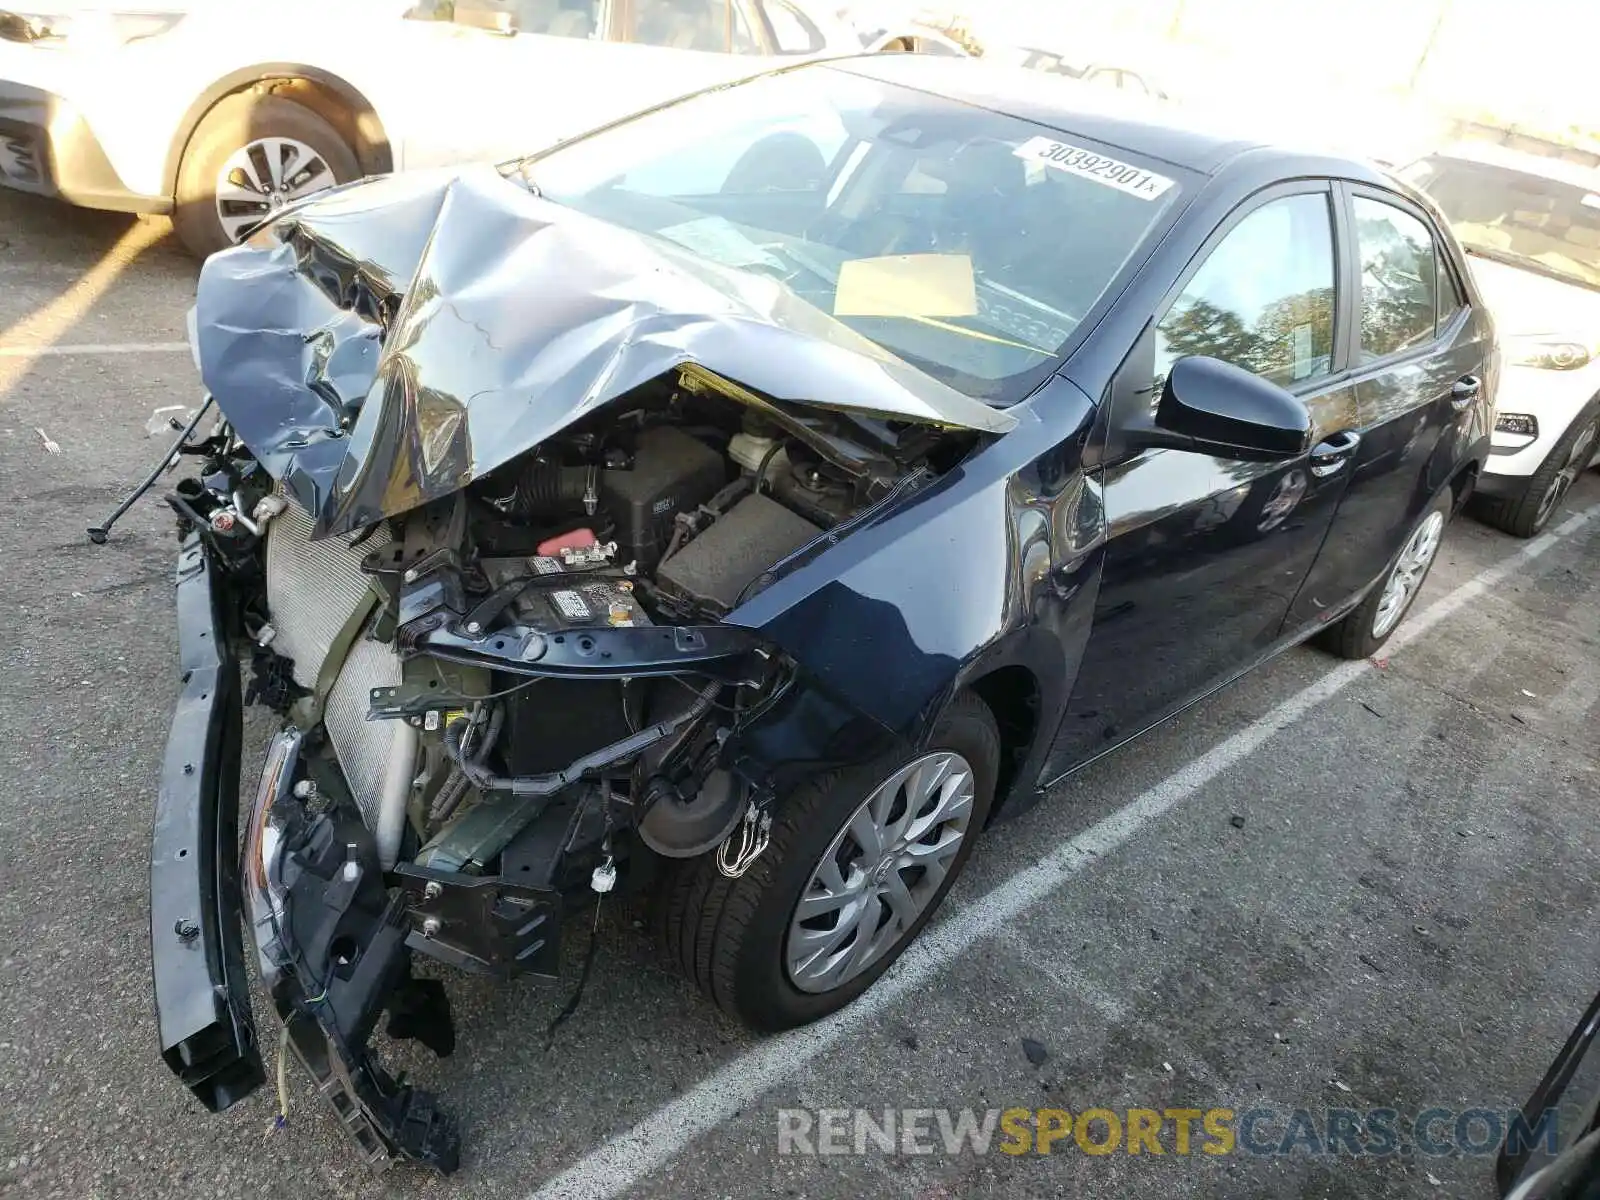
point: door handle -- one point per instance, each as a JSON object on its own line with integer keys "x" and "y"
{"x": 1464, "y": 391}
{"x": 1329, "y": 457}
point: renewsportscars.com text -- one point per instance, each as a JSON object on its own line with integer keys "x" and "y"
{"x": 1368, "y": 1133}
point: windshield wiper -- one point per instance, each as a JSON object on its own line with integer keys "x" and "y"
{"x": 1522, "y": 262}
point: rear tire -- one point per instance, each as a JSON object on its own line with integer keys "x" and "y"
{"x": 1363, "y": 632}
{"x": 731, "y": 937}
{"x": 1526, "y": 514}
{"x": 252, "y": 140}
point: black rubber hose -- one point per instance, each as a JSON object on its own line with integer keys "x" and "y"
{"x": 580, "y": 768}
{"x": 449, "y": 796}
{"x": 549, "y": 488}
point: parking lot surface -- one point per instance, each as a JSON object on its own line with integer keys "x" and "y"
{"x": 1330, "y": 886}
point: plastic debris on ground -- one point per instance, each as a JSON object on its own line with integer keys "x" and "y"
{"x": 168, "y": 419}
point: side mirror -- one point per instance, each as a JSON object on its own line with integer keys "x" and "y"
{"x": 1212, "y": 407}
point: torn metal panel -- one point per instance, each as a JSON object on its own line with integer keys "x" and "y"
{"x": 388, "y": 344}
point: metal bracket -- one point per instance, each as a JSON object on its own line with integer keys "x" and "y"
{"x": 482, "y": 923}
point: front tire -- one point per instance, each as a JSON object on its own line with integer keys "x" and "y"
{"x": 1363, "y": 632}
{"x": 249, "y": 156}
{"x": 1526, "y": 514}
{"x": 761, "y": 957}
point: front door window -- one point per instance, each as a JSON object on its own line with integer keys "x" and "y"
{"x": 1263, "y": 300}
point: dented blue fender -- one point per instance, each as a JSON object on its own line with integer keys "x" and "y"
{"x": 994, "y": 567}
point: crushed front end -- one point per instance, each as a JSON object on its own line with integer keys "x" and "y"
{"x": 483, "y": 558}
{"x": 484, "y": 724}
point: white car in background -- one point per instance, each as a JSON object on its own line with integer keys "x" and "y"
{"x": 1531, "y": 225}
{"x": 1080, "y": 65}
{"x": 219, "y": 112}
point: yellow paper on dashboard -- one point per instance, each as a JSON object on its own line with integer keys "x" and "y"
{"x": 906, "y": 285}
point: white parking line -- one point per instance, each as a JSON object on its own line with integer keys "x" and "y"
{"x": 95, "y": 348}
{"x": 624, "y": 1160}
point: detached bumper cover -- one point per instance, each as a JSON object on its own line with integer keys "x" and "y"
{"x": 334, "y": 958}
{"x": 47, "y": 148}
{"x": 196, "y": 948}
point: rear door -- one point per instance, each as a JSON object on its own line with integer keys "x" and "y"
{"x": 1206, "y": 554}
{"x": 1418, "y": 358}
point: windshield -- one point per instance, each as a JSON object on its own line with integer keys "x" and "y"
{"x": 969, "y": 243}
{"x": 1542, "y": 224}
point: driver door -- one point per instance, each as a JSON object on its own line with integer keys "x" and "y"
{"x": 1205, "y": 554}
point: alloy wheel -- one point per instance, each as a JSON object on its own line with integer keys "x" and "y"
{"x": 881, "y": 872}
{"x": 1406, "y": 577}
{"x": 1577, "y": 460}
{"x": 262, "y": 176}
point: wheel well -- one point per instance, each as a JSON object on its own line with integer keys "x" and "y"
{"x": 330, "y": 97}
{"x": 1012, "y": 694}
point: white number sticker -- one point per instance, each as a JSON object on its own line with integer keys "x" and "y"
{"x": 1125, "y": 177}
{"x": 571, "y": 605}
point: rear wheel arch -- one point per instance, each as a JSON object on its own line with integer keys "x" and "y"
{"x": 330, "y": 97}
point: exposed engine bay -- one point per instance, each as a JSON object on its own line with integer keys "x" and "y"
{"x": 656, "y": 519}
{"x": 514, "y": 699}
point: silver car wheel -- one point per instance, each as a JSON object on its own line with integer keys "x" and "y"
{"x": 881, "y": 872}
{"x": 1577, "y": 460}
{"x": 262, "y": 176}
{"x": 1407, "y": 575}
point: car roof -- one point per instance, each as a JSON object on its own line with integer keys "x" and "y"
{"x": 1206, "y": 143}
{"x": 1557, "y": 169}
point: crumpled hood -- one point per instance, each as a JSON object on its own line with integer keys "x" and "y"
{"x": 390, "y": 342}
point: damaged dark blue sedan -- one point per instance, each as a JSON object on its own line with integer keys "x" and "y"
{"x": 741, "y": 507}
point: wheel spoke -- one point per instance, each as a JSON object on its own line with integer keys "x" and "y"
{"x": 233, "y": 193}
{"x": 864, "y": 829}
{"x": 235, "y": 224}
{"x": 816, "y": 904}
{"x": 828, "y": 875}
{"x": 814, "y": 953}
{"x": 866, "y": 936}
{"x": 933, "y": 856}
{"x": 954, "y": 805}
{"x": 901, "y": 903}
{"x": 320, "y": 179}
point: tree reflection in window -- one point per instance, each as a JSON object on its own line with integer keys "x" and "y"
{"x": 1398, "y": 277}
{"x": 1263, "y": 300}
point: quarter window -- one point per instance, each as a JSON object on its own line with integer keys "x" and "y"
{"x": 1450, "y": 298}
{"x": 711, "y": 25}
{"x": 794, "y": 32}
{"x": 1399, "y": 274}
{"x": 1264, "y": 298}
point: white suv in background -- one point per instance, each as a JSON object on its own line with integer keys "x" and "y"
{"x": 219, "y": 112}
{"x": 1532, "y": 226}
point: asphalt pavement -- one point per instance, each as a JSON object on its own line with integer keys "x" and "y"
{"x": 1328, "y": 887}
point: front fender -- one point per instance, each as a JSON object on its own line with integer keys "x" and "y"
{"x": 988, "y": 568}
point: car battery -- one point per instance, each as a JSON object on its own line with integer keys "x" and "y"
{"x": 563, "y": 596}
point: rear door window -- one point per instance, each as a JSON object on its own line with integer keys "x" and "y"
{"x": 1399, "y": 277}
{"x": 553, "y": 18}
